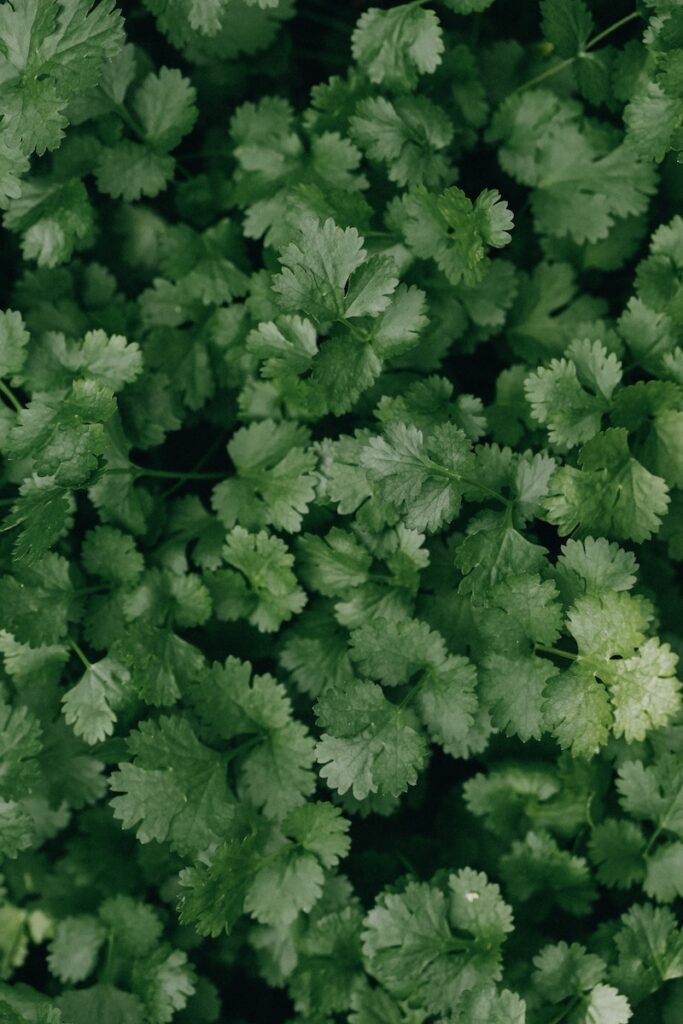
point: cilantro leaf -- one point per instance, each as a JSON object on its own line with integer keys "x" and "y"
{"x": 274, "y": 483}
{"x": 408, "y": 134}
{"x": 277, "y": 754}
{"x": 611, "y": 492}
{"x": 415, "y": 946}
{"x": 395, "y": 46}
{"x": 266, "y": 590}
{"x": 369, "y": 744}
{"x": 325, "y": 274}
{"x": 452, "y": 230}
{"x": 425, "y": 477}
{"x": 174, "y": 789}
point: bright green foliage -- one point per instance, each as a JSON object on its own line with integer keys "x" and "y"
{"x": 51, "y": 52}
{"x": 340, "y": 596}
{"x": 610, "y": 490}
{"x": 174, "y": 788}
{"x": 452, "y": 230}
{"x": 580, "y": 183}
{"x": 368, "y": 744}
{"x": 408, "y": 135}
{"x": 432, "y": 945}
{"x": 164, "y": 109}
{"x": 271, "y": 874}
{"x": 274, "y": 483}
{"x": 424, "y": 477}
{"x": 264, "y": 588}
{"x": 393, "y": 47}
{"x": 624, "y": 852}
{"x": 572, "y": 978}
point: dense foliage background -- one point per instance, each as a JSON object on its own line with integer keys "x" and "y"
{"x": 341, "y": 434}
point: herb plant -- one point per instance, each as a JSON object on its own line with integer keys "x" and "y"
{"x": 341, "y": 494}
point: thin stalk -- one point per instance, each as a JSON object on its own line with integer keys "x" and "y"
{"x": 10, "y": 396}
{"x": 545, "y": 649}
{"x": 611, "y": 28}
{"x": 556, "y": 68}
{"x": 80, "y": 655}
{"x": 651, "y": 841}
{"x": 213, "y": 447}
{"x": 352, "y": 328}
{"x": 460, "y": 479}
{"x": 167, "y": 474}
{"x": 567, "y": 1010}
{"x": 129, "y": 120}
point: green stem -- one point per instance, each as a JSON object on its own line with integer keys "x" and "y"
{"x": 460, "y": 479}
{"x": 556, "y": 68}
{"x": 242, "y": 748}
{"x": 167, "y": 474}
{"x": 351, "y": 327}
{"x": 130, "y": 121}
{"x": 213, "y": 447}
{"x": 651, "y": 841}
{"x": 545, "y": 649}
{"x": 10, "y": 396}
{"x": 567, "y": 1010}
{"x": 108, "y": 959}
{"x": 79, "y": 653}
{"x": 548, "y": 73}
{"x": 611, "y": 28}
{"x": 411, "y": 693}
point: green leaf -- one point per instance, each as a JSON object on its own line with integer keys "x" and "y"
{"x": 617, "y": 848}
{"x": 611, "y": 493}
{"x": 570, "y": 973}
{"x": 650, "y": 951}
{"x": 13, "y": 340}
{"x": 51, "y": 52}
{"x": 267, "y": 875}
{"x": 64, "y": 433}
{"x": 112, "y": 555}
{"x": 538, "y": 871}
{"x": 165, "y": 106}
{"x": 395, "y": 46}
{"x": 567, "y": 25}
{"x": 581, "y": 185}
{"x": 421, "y": 476}
{"x": 164, "y": 981}
{"x": 129, "y": 170}
{"x": 452, "y": 230}
{"x": 369, "y": 744}
{"x": 54, "y": 218}
{"x": 75, "y": 948}
{"x": 271, "y": 595}
{"x": 319, "y": 267}
{"x": 274, "y": 485}
{"x": 89, "y": 706}
{"x": 19, "y": 745}
{"x": 408, "y": 134}
{"x": 159, "y": 662}
{"x": 101, "y": 1004}
{"x": 593, "y": 565}
{"x": 432, "y": 946}
{"x": 174, "y": 789}
{"x": 275, "y": 767}
{"x": 571, "y": 396}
